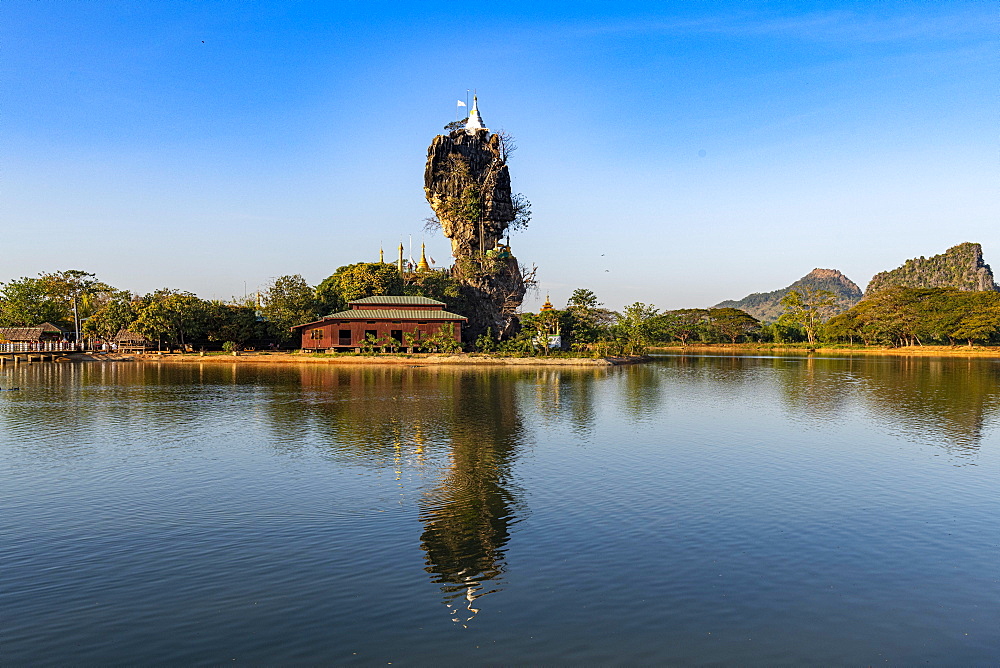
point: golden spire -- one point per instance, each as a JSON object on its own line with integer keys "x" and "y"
{"x": 400, "y": 258}
{"x": 422, "y": 265}
{"x": 381, "y": 255}
{"x": 547, "y": 306}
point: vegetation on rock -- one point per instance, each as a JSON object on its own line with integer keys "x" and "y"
{"x": 960, "y": 267}
{"x": 767, "y": 307}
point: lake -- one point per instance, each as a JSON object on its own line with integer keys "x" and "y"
{"x": 771, "y": 510}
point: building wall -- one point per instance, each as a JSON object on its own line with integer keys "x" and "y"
{"x": 330, "y": 331}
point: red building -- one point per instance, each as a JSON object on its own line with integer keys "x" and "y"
{"x": 389, "y": 316}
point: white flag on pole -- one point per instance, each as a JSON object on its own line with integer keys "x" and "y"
{"x": 462, "y": 104}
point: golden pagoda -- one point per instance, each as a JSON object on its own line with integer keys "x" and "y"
{"x": 547, "y": 306}
{"x": 422, "y": 265}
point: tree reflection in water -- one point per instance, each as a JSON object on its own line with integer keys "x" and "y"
{"x": 465, "y": 426}
{"x": 947, "y": 401}
{"x": 467, "y": 517}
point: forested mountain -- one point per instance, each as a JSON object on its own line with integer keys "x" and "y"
{"x": 766, "y": 306}
{"x": 960, "y": 267}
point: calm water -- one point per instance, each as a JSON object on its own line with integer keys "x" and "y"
{"x": 697, "y": 510}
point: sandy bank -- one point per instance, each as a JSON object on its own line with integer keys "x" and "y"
{"x": 409, "y": 360}
{"x": 906, "y": 351}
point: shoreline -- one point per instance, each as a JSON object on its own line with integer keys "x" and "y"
{"x": 906, "y": 351}
{"x": 460, "y": 359}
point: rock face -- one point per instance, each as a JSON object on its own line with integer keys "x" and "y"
{"x": 467, "y": 184}
{"x": 959, "y": 267}
{"x": 766, "y": 306}
{"x": 462, "y": 166}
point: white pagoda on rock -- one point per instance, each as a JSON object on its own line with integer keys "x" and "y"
{"x": 475, "y": 121}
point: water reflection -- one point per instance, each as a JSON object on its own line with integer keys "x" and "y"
{"x": 948, "y": 402}
{"x": 444, "y": 443}
{"x": 463, "y": 429}
{"x": 467, "y": 516}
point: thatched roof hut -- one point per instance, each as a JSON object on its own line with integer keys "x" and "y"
{"x": 43, "y": 332}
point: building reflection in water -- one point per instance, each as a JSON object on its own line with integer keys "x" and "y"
{"x": 456, "y": 434}
{"x": 451, "y": 437}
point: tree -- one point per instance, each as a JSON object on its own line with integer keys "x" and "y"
{"x": 522, "y": 213}
{"x": 684, "y": 323}
{"x": 356, "y": 281}
{"x": 116, "y": 313}
{"x": 178, "y": 317}
{"x": 287, "y": 301}
{"x": 807, "y": 309}
{"x": 732, "y": 322}
{"x": 586, "y": 319}
{"x": 636, "y": 326}
{"x": 237, "y": 324}
{"x": 76, "y": 289}
{"x": 27, "y": 301}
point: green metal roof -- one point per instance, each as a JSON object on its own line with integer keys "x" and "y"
{"x": 393, "y": 314}
{"x": 398, "y": 299}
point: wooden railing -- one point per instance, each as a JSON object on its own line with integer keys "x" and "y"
{"x": 38, "y": 346}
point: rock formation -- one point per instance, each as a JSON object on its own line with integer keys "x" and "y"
{"x": 959, "y": 267}
{"x": 766, "y": 306}
{"x": 467, "y": 184}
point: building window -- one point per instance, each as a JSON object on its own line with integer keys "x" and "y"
{"x": 315, "y": 333}
{"x": 345, "y": 337}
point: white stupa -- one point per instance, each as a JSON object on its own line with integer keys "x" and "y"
{"x": 475, "y": 121}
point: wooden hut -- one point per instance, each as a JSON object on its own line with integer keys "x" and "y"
{"x": 130, "y": 342}
{"x": 36, "y": 333}
{"x": 386, "y": 317}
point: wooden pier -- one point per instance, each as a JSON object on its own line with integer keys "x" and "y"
{"x": 50, "y": 351}
{"x": 33, "y": 356}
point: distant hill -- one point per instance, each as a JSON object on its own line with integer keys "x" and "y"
{"x": 766, "y": 306}
{"x": 960, "y": 267}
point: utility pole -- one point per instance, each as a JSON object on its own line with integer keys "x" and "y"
{"x": 76, "y": 320}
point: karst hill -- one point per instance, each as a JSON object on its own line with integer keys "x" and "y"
{"x": 960, "y": 267}
{"x": 467, "y": 185}
{"x": 766, "y": 306}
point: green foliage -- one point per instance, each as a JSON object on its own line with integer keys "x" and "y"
{"x": 116, "y": 313}
{"x": 485, "y": 343}
{"x": 357, "y": 281}
{"x": 179, "y": 318}
{"x": 960, "y": 267}
{"x": 683, "y": 324}
{"x": 914, "y": 316}
{"x": 79, "y": 290}
{"x": 522, "y": 213}
{"x": 234, "y": 323}
{"x": 636, "y": 327}
{"x": 731, "y": 323}
{"x": 467, "y": 206}
{"x": 766, "y": 306}
{"x": 288, "y": 301}
{"x": 27, "y": 301}
{"x": 585, "y": 321}
{"x": 437, "y": 285}
{"x": 807, "y": 309}
{"x": 63, "y": 298}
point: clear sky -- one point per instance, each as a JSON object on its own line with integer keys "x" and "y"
{"x": 675, "y": 153}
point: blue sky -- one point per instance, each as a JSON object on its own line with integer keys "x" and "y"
{"x": 675, "y": 153}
